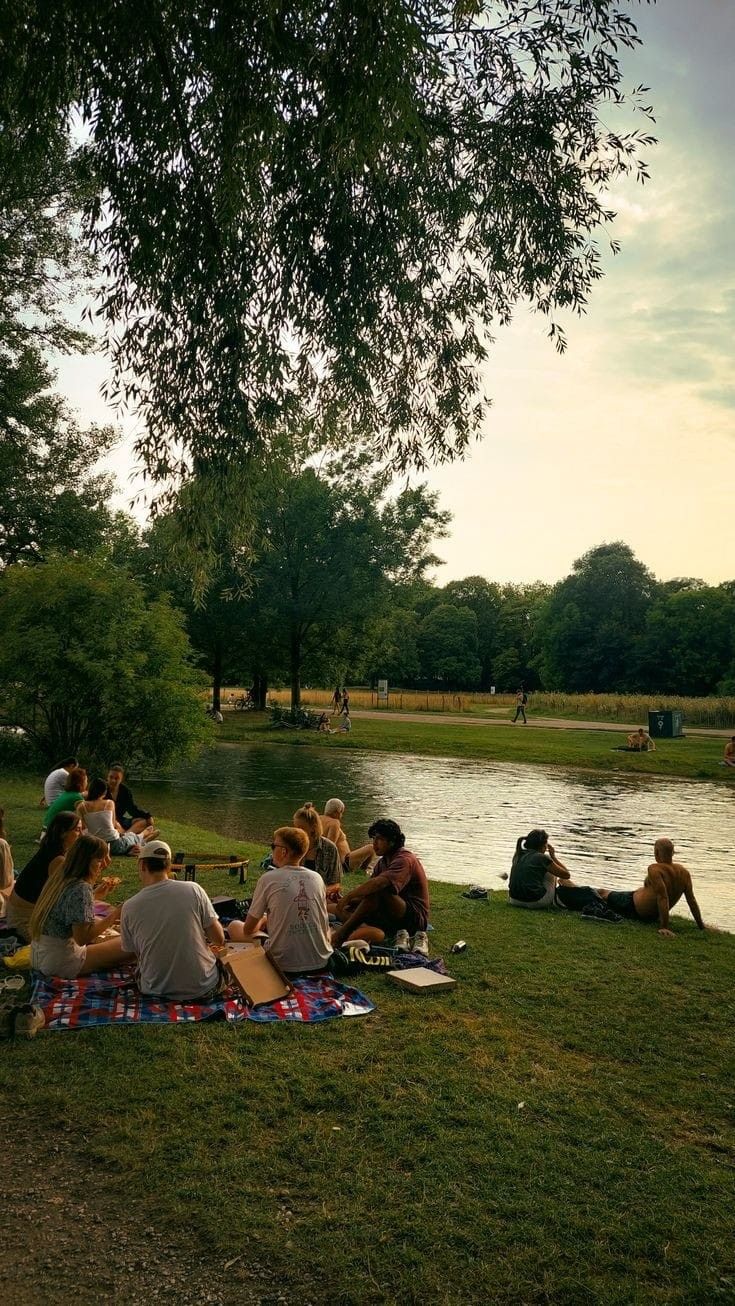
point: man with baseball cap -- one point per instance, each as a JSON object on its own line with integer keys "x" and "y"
{"x": 169, "y": 925}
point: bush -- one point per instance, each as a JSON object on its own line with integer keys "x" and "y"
{"x": 89, "y": 667}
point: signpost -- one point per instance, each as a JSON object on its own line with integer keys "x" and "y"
{"x": 382, "y": 691}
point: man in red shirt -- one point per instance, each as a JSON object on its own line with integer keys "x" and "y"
{"x": 394, "y": 899}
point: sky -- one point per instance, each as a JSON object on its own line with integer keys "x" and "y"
{"x": 631, "y": 434}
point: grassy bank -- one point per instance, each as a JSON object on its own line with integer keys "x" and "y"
{"x": 558, "y": 1129}
{"x": 695, "y": 757}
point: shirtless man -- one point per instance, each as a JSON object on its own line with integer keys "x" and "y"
{"x": 729, "y": 758}
{"x": 663, "y": 886}
{"x": 640, "y": 742}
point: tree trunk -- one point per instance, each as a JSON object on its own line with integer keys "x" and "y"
{"x": 260, "y": 691}
{"x": 217, "y": 678}
{"x": 295, "y": 670}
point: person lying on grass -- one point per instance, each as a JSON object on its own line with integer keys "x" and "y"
{"x": 394, "y": 898}
{"x": 665, "y": 883}
{"x": 62, "y": 833}
{"x": 64, "y": 928}
{"x": 538, "y": 879}
{"x": 171, "y": 927}
{"x": 291, "y": 902}
{"x": 97, "y": 811}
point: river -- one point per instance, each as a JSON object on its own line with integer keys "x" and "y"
{"x": 463, "y": 817}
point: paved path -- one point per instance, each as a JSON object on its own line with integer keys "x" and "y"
{"x": 538, "y": 723}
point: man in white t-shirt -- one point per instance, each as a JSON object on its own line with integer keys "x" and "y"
{"x": 294, "y": 902}
{"x": 169, "y": 925}
{"x": 55, "y": 782}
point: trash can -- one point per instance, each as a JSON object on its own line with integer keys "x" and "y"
{"x": 666, "y": 724}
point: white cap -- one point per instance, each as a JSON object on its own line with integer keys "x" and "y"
{"x": 155, "y": 848}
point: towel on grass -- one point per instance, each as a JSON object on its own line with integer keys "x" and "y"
{"x": 113, "y": 998}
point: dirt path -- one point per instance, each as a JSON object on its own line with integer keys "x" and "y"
{"x": 539, "y": 723}
{"x": 73, "y": 1235}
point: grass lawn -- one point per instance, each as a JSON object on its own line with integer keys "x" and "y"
{"x": 695, "y": 757}
{"x": 558, "y": 1129}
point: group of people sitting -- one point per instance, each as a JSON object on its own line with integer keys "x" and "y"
{"x": 104, "y": 809}
{"x": 170, "y": 928}
{"x": 539, "y": 880}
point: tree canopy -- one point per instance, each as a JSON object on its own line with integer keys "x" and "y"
{"x": 88, "y": 667}
{"x": 326, "y": 208}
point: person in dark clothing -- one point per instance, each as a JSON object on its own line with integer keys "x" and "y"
{"x": 127, "y": 812}
{"x": 521, "y": 701}
{"x": 62, "y": 833}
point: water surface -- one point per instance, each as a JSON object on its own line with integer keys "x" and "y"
{"x": 463, "y": 817}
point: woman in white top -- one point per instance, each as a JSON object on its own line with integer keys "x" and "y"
{"x": 98, "y": 814}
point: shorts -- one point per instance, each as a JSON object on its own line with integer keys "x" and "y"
{"x": 121, "y": 846}
{"x": 60, "y": 957}
{"x": 547, "y": 900}
{"x": 621, "y": 901}
{"x": 412, "y": 921}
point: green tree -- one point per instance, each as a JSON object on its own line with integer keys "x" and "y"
{"x": 484, "y": 597}
{"x": 687, "y": 645}
{"x": 53, "y": 501}
{"x": 447, "y": 642}
{"x": 519, "y": 632}
{"x": 88, "y": 667}
{"x": 52, "y": 498}
{"x": 594, "y": 620}
{"x": 329, "y": 549}
{"x": 392, "y": 647}
{"x": 327, "y": 208}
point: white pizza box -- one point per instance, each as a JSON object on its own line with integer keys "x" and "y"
{"x": 421, "y": 980}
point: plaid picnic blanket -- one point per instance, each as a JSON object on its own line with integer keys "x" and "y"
{"x": 113, "y": 998}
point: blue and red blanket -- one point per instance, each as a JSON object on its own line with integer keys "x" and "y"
{"x": 113, "y": 998}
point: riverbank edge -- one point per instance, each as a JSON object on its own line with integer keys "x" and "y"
{"x": 699, "y": 761}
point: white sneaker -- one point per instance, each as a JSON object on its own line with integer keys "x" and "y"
{"x": 421, "y": 943}
{"x": 403, "y": 943}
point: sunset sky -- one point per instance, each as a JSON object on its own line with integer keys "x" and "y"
{"x": 630, "y": 435}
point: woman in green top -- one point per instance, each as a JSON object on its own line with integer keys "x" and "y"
{"x": 75, "y": 792}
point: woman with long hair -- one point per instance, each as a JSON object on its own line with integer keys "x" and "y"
{"x": 97, "y": 811}
{"x": 321, "y": 855}
{"x": 62, "y": 833}
{"x": 63, "y": 925}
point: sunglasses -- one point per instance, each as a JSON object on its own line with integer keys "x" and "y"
{"x": 277, "y": 845}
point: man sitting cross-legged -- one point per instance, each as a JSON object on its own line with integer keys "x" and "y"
{"x": 665, "y": 883}
{"x": 170, "y": 925}
{"x": 394, "y": 899}
{"x": 291, "y": 902}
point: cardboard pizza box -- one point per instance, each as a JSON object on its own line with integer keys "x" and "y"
{"x": 421, "y": 980}
{"x": 255, "y": 974}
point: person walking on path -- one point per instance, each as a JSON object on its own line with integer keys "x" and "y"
{"x": 336, "y": 700}
{"x": 521, "y": 701}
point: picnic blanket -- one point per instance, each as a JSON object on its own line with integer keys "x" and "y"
{"x": 113, "y": 998}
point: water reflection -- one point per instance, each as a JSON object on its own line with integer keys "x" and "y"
{"x": 463, "y": 817}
